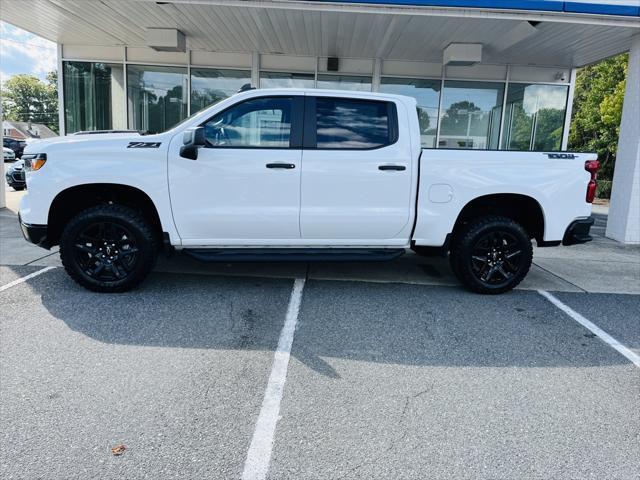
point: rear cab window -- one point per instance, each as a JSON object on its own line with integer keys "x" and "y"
{"x": 334, "y": 123}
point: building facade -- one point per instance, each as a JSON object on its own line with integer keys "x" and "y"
{"x": 486, "y": 74}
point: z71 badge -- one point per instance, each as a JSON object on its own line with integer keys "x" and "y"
{"x": 144, "y": 144}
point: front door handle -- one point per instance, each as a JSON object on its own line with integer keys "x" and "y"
{"x": 281, "y": 165}
{"x": 392, "y": 167}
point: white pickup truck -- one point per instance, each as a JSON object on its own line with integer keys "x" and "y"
{"x": 299, "y": 175}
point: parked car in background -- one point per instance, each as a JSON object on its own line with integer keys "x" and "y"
{"x": 15, "y": 176}
{"x": 16, "y": 145}
{"x": 8, "y": 155}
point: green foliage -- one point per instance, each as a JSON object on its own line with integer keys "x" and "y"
{"x": 26, "y": 97}
{"x": 548, "y": 129}
{"x": 598, "y": 110}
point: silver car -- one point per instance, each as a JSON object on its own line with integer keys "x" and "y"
{"x": 8, "y": 155}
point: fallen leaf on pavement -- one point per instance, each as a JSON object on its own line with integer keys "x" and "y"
{"x": 118, "y": 449}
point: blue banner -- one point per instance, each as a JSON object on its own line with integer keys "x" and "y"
{"x": 627, "y": 8}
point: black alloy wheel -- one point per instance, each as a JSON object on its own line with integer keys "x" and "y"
{"x": 106, "y": 251}
{"x": 108, "y": 248}
{"x": 491, "y": 254}
{"x": 495, "y": 258}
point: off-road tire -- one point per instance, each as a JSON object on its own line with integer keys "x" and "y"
{"x": 462, "y": 253}
{"x": 141, "y": 231}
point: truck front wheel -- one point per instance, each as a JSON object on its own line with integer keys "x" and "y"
{"x": 491, "y": 254}
{"x": 108, "y": 248}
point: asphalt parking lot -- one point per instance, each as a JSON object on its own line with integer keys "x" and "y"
{"x": 388, "y": 376}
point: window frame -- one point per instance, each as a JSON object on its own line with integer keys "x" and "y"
{"x": 310, "y": 141}
{"x": 295, "y": 135}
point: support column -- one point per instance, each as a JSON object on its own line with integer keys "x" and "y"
{"x": 62, "y": 128}
{"x": 624, "y": 215}
{"x": 255, "y": 70}
{"x": 569, "y": 113}
{"x": 377, "y": 72}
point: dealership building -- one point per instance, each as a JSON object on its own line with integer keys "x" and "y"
{"x": 486, "y": 74}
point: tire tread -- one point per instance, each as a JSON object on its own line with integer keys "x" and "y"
{"x": 122, "y": 213}
{"x": 462, "y": 242}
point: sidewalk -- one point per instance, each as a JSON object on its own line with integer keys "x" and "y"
{"x": 601, "y": 266}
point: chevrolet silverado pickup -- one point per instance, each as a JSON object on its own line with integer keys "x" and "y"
{"x": 299, "y": 175}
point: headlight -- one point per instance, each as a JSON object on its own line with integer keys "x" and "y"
{"x": 34, "y": 161}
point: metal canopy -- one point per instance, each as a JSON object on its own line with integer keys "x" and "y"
{"x": 326, "y": 28}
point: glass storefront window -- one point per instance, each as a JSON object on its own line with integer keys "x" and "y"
{"x": 209, "y": 86}
{"x": 427, "y": 95}
{"x": 93, "y": 96}
{"x": 534, "y": 117}
{"x": 286, "y": 80}
{"x": 157, "y": 97}
{"x": 344, "y": 82}
{"x": 470, "y": 116}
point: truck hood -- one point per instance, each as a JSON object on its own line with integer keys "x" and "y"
{"x": 42, "y": 145}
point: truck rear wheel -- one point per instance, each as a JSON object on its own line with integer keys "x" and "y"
{"x": 108, "y": 248}
{"x": 491, "y": 255}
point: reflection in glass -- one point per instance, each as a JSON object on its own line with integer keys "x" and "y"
{"x": 351, "y": 124}
{"x": 427, "y": 95}
{"x": 157, "y": 97}
{"x": 209, "y": 86}
{"x": 534, "y": 117}
{"x": 286, "y": 80}
{"x": 344, "y": 82}
{"x": 257, "y": 123}
{"x": 470, "y": 116}
{"x": 93, "y": 96}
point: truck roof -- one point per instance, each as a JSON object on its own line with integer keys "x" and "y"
{"x": 329, "y": 92}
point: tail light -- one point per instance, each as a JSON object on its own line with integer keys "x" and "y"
{"x": 592, "y": 167}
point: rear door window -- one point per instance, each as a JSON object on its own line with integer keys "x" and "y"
{"x": 351, "y": 124}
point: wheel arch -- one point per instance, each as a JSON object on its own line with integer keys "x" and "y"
{"x": 73, "y": 200}
{"x": 521, "y": 208}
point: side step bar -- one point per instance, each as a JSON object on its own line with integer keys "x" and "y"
{"x": 292, "y": 254}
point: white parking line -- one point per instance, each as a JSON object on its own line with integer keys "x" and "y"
{"x": 256, "y": 466}
{"x": 25, "y": 278}
{"x": 602, "y": 335}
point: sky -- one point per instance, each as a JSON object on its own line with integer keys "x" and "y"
{"x": 24, "y": 52}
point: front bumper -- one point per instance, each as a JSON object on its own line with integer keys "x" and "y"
{"x": 36, "y": 234}
{"x": 578, "y": 232}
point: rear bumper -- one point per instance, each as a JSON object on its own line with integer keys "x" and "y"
{"x": 36, "y": 234}
{"x": 578, "y": 232}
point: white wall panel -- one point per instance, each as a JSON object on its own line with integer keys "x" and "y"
{"x": 358, "y": 66}
{"x": 220, "y": 59}
{"x": 287, "y": 63}
{"x": 540, "y": 74}
{"x": 478, "y": 72}
{"x": 401, "y": 68}
{"x": 148, "y": 55}
{"x": 85, "y": 52}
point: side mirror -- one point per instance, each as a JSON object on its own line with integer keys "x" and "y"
{"x": 192, "y": 140}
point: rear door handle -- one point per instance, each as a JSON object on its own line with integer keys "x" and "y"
{"x": 392, "y": 167}
{"x": 281, "y": 165}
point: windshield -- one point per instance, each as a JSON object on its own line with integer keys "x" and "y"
{"x": 193, "y": 115}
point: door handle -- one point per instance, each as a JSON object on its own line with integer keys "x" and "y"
{"x": 281, "y": 165}
{"x": 392, "y": 167}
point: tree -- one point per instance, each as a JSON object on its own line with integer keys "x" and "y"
{"x": 26, "y": 97}
{"x": 597, "y": 113}
{"x": 457, "y": 121}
